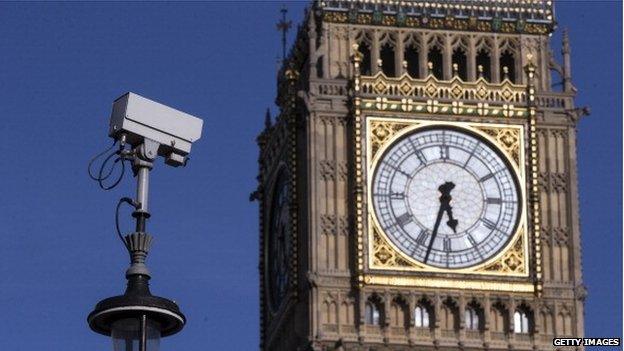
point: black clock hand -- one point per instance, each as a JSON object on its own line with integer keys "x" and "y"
{"x": 445, "y": 189}
{"x": 445, "y": 206}
{"x": 435, "y": 231}
{"x": 452, "y": 222}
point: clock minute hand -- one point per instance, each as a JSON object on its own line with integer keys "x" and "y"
{"x": 445, "y": 206}
{"x": 435, "y": 231}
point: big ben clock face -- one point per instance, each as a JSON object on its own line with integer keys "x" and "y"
{"x": 279, "y": 242}
{"x": 446, "y": 197}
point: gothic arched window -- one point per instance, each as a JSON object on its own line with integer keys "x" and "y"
{"x": 387, "y": 60}
{"x": 507, "y": 62}
{"x": 412, "y": 57}
{"x": 319, "y": 67}
{"x": 435, "y": 57}
{"x": 365, "y": 66}
{"x": 449, "y": 316}
{"x": 484, "y": 64}
{"x": 521, "y": 322}
{"x": 459, "y": 63}
{"x": 547, "y": 324}
{"x": 471, "y": 318}
{"x": 498, "y": 318}
{"x": 421, "y": 316}
{"x": 371, "y": 313}
{"x": 399, "y": 313}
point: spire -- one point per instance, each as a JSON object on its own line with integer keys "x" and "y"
{"x": 283, "y": 25}
{"x": 565, "y": 48}
{"x": 567, "y": 68}
{"x": 267, "y": 119}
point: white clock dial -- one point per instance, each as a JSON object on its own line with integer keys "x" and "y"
{"x": 446, "y": 197}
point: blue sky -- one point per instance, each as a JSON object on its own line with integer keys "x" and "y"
{"x": 62, "y": 65}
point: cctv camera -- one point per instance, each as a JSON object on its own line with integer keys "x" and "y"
{"x": 139, "y": 118}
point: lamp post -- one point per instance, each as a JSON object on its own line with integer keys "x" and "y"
{"x": 137, "y": 320}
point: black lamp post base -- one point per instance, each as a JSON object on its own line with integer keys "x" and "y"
{"x": 137, "y": 302}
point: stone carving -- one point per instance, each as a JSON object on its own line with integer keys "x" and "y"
{"x": 561, "y": 236}
{"x": 559, "y": 182}
{"x": 328, "y": 224}
{"x": 334, "y": 225}
{"x": 327, "y": 169}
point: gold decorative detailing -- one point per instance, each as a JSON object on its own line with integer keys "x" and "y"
{"x": 335, "y": 17}
{"x": 388, "y": 21}
{"x": 456, "y": 91}
{"x": 356, "y": 59}
{"x": 432, "y": 106}
{"x": 384, "y": 255}
{"x": 534, "y": 198}
{"x": 507, "y": 139}
{"x": 441, "y": 283}
{"x": 432, "y": 87}
{"x": 382, "y": 132}
{"x": 291, "y": 74}
{"x": 289, "y": 110}
{"x": 405, "y": 88}
{"x": 431, "y": 90}
{"x": 535, "y": 28}
{"x": 431, "y": 95}
{"x": 401, "y": 14}
{"x": 364, "y": 19}
{"x": 436, "y": 107}
{"x": 380, "y": 87}
{"x": 513, "y": 261}
{"x": 484, "y": 26}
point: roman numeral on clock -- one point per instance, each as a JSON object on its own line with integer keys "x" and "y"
{"x": 404, "y": 219}
{"x": 447, "y": 245}
{"x": 397, "y": 196}
{"x": 422, "y": 237}
{"x": 472, "y": 241}
{"x": 486, "y": 177}
{"x": 488, "y": 224}
{"x": 420, "y": 155}
{"x": 494, "y": 201}
{"x": 402, "y": 172}
{"x": 444, "y": 152}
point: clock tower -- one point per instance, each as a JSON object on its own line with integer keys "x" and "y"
{"x": 418, "y": 189}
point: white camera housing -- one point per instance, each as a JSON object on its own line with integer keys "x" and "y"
{"x": 140, "y": 118}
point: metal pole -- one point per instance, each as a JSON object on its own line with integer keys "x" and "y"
{"x": 142, "y": 197}
{"x": 143, "y": 330}
{"x": 143, "y": 188}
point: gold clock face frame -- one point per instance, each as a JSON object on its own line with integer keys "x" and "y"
{"x": 383, "y": 255}
{"x": 278, "y": 243}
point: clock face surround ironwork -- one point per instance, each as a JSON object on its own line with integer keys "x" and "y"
{"x": 446, "y": 197}
{"x": 279, "y": 242}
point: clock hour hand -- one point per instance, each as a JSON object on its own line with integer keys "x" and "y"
{"x": 445, "y": 201}
{"x": 452, "y": 222}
